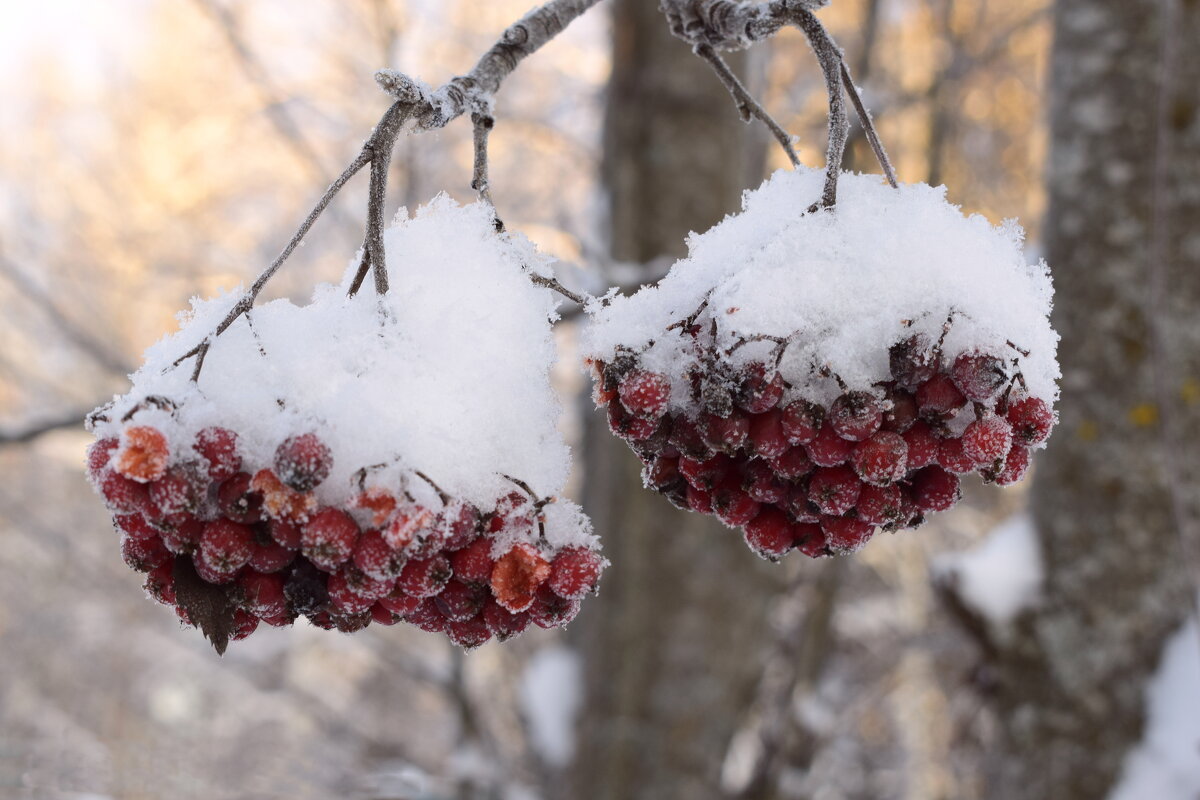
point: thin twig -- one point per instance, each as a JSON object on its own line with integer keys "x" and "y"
{"x": 748, "y": 107}
{"x": 552, "y": 283}
{"x": 830, "y": 57}
{"x": 483, "y": 124}
{"x": 868, "y": 124}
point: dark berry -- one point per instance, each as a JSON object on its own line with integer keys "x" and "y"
{"x": 548, "y": 610}
{"x": 901, "y": 412}
{"x": 759, "y": 389}
{"x": 460, "y": 602}
{"x": 912, "y": 361}
{"x": 809, "y": 539}
{"x": 685, "y": 437}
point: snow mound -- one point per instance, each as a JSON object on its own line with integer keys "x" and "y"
{"x": 844, "y": 285}
{"x": 448, "y": 374}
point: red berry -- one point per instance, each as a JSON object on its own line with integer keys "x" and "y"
{"x": 770, "y": 534}
{"x": 398, "y": 602}
{"x": 517, "y": 576}
{"x": 705, "y": 474}
{"x": 364, "y": 585}
{"x": 474, "y": 563}
{"x": 179, "y": 490}
{"x": 379, "y": 504}
{"x": 699, "y": 500}
{"x": 882, "y": 505}
{"x": 504, "y": 624}
{"x": 645, "y": 394}
{"x": 270, "y": 557}
{"x": 934, "y": 489}
{"x": 1015, "y": 466}
{"x": 262, "y": 595}
{"x": 726, "y": 434}
{"x": 329, "y": 538}
{"x": 381, "y": 616}
{"x": 801, "y": 421}
{"x": 350, "y": 622}
{"x": 759, "y": 389}
{"x": 809, "y": 539}
{"x": 767, "y": 439}
{"x": 979, "y": 376}
{"x": 411, "y": 526}
{"x": 882, "y": 459}
{"x": 460, "y": 524}
{"x": 427, "y": 617}
{"x": 218, "y": 448}
{"x": 733, "y": 506}
{"x": 226, "y": 546}
{"x": 280, "y": 501}
{"x": 425, "y": 577}
{"x": 551, "y": 611}
{"x": 1031, "y": 419}
{"x": 793, "y": 464}
{"x": 302, "y": 462}
{"x": 628, "y": 426}
{"x": 761, "y": 483}
{"x": 344, "y": 597}
{"x": 987, "y": 440}
{"x": 685, "y": 437}
{"x": 98, "y": 454}
{"x": 143, "y": 454}
{"x": 376, "y": 558}
{"x": 285, "y": 534}
{"x": 468, "y": 634}
{"x": 237, "y": 501}
{"x": 922, "y": 445}
{"x": 460, "y": 602}
{"x": 799, "y": 507}
{"x": 662, "y": 473}
{"x": 243, "y": 625}
{"x": 144, "y": 553}
{"x": 951, "y": 457}
{"x": 846, "y": 534}
{"x": 913, "y": 361}
{"x": 938, "y": 397}
{"x": 834, "y": 490}
{"x": 211, "y": 573}
{"x": 856, "y": 415}
{"x": 902, "y": 413}
{"x": 828, "y": 449}
{"x": 122, "y": 495}
{"x": 575, "y": 571}
{"x": 160, "y": 582}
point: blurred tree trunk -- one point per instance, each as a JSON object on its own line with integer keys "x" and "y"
{"x": 1071, "y": 695}
{"x": 671, "y": 645}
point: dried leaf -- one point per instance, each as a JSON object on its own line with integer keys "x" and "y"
{"x": 206, "y": 605}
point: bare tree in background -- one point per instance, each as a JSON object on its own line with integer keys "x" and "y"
{"x": 1117, "y": 491}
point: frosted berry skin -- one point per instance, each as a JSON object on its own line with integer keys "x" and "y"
{"x": 460, "y": 602}
{"x": 377, "y": 558}
{"x": 845, "y": 534}
{"x": 792, "y": 464}
{"x": 502, "y": 623}
{"x": 218, "y": 448}
{"x": 237, "y": 501}
{"x": 474, "y": 563}
{"x": 766, "y": 436}
{"x": 548, "y": 610}
{"x": 834, "y": 490}
{"x": 644, "y": 394}
{"x": 939, "y": 397}
{"x": 427, "y": 617}
{"x": 517, "y": 576}
{"x": 770, "y": 534}
{"x": 801, "y": 421}
{"x": 226, "y": 545}
{"x": 1031, "y": 420}
{"x": 912, "y": 361}
{"x": 881, "y": 460}
{"x": 952, "y": 457}
{"x": 468, "y": 634}
{"x": 881, "y": 505}
{"x": 760, "y": 389}
{"x": 303, "y": 462}
{"x": 922, "y": 446}
{"x": 425, "y": 577}
{"x": 987, "y": 440}
{"x": 934, "y": 489}
{"x": 574, "y": 572}
{"x": 979, "y": 376}
{"x": 828, "y": 449}
{"x": 1016, "y": 464}
{"x": 329, "y": 538}
{"x": 99, "y": 453}
{"x": 725, "y": 434}
{"x": 856, "y": 415}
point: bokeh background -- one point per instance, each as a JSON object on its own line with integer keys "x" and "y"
{"x": 1028, "y": 644}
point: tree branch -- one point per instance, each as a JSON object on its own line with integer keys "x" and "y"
{"x": 748, "y": 107}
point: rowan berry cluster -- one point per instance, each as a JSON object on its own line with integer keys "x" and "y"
{"x": 261, "y": 535}
{"x": 746, "y": 447}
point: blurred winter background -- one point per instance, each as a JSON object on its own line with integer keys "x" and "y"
{"x": 151, "y": 150}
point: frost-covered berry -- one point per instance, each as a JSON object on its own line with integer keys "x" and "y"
{"x": 143, "y": 454}
{"x": 474, "y": 563}
{"x": 468, "y": 634}
{"x": 144, "y": 553}
{"x": 504, "y": 624}
{"x": 733, "y": 506}
{"x": 645, "y": 394}
{"x": 912, "y": 361}
{"x": 179, "y": 490}
{"x": 685, "y": 437}
{"x": 699, "y": 500}
{"x": 378, "y": 505}
{"x": 411, "y": 525}
{"x": 99, "y": 453}
{"x": 759, "y": 388}
{"x": 770, "y": 534}
{"x": 244, "y": 624}
{"x": 793, "y": 464}
{"x": 846, "y": 534}
{"x": 280, "y": 501}
{"x": 799, "y": 507}
{"x": 882, "y": 459}
{"x": 828, "y": 449}
{"x": 328, "y": 539}
{"x": 762, "y": 484}
{"x": 901, "y": 411}
{"x": 238, "y": 501}
{"x": 376, "y": 558}
{"x": 662, "y": 473}
{"x": 284, "y": 533}
{"x": 262, "y": 594}
{"x": 1031, "y": 419}
{"x": 856, "y": 415}
{"x": 425, "y": 577}
{"x": 427, "y": 617}
{"x": 834, "y": 490}
{"x": 938, "y": 398}
{"x": 123, "y": 495}
{"x": 574, "y": 572}
{"x": 952, "y": 457}
{"x": 726, "y": 434}
{"x": 218, "y": 448}
{"x": 399, "y": 602}
{"x": 767, "y": 439}
{"x": 987, "y": 440}
{"x": 364, "y": 585}
{"x": 548, "y": 610}
{"x": 809, "y": 539}
{"x": 922, "y": 443}
{"x": 705, "y": 474}
{"x": 460, "y": 524}
{"x": 226, "y": 545}
{"x": 517, "y": 576}
{"x": 460, "y": 602}
{"x": 302, "y": 462}
{"x": 211, "y": 573}
{"x": 343, "y": 595}
{"x": 1016, "y": 464}
{"x": 934, "y": 489}
{"x": 270, "y": 556}
{"x": 801, "y": 421}
{"x": 881, "y": 505}
{"x": 380, "y": 615}
{"x": 630, "y": 427}
{"x": 979, "y": 376}
{"x": 160, "y": 582}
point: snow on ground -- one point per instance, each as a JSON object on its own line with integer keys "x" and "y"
{"x": 1166, "y": 765}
